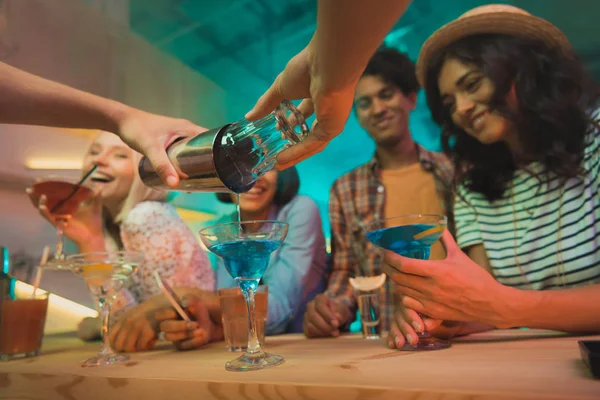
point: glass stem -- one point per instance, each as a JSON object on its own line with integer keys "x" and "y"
{"x": 253, "y": 343}
{"x": 105, "y": 315}
{"x": 60, "y": 227}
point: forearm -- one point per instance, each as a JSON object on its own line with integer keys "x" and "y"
{"x": 32, "y": 100}
{"x": 569, "y": 310}
{"x": 348, "y": 33}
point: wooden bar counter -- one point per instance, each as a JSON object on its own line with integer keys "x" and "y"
{"x": 503, "y": 364}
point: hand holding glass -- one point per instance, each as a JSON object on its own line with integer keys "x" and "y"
{"x": 63, "y": 197}
{"x": 411, "y": 236}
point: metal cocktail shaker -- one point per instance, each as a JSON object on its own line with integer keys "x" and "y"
{"x": 232, "y": 157}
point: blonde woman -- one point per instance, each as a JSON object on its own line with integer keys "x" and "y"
{"x": 127, "y": 215}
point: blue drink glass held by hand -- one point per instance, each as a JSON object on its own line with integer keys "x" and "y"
{"x": 246, "y": 248}
{"x": 411, "y": 236}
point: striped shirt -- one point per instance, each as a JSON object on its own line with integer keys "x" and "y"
{"x": 356, "y": 199}
{"x": 538, "y": 236}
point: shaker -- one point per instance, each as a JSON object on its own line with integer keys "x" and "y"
{"x": 232, "y": 157}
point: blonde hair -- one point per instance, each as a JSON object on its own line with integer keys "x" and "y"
{"x": 138, "y": 192}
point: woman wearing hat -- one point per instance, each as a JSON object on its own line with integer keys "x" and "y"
{"x": 519, "y": 119}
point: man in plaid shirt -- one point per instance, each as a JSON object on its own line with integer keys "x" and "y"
{"x": 401, "y": 178}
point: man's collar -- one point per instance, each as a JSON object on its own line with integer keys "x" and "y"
{"x": 425, "y": 159}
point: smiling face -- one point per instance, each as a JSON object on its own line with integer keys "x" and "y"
{"x": 382, "y": 109}
{"x": 114, "y": 176}
{"x": 260, "y": 198}
{"x": 466, "y": 92}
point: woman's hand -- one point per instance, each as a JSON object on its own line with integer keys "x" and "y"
{"x": 406, "y": 325}
{"x": 136, "y": 329}
{"x": 84, "y": 228}
{"x": 150, "y": 134}
{"x": 455, "y": 289}
{"x": 189, "y": 335}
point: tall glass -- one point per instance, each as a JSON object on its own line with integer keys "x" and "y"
{"x": 411, "y": 236}
{"x": 105, "y": 273}
{"x": 246, "y": 248}
{"x": 63, "y": 198}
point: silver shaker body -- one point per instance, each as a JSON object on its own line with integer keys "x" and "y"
{"x": 195, "y": 157}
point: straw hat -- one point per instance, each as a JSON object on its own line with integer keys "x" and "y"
{"x": 493, "y": 18}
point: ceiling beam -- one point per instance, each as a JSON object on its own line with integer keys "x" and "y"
{"x": 223, "y": 50}
{"x": 245, "y": 39}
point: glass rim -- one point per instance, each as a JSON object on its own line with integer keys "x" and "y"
{"x": 109, "y": 254}
{"x": 41, "y": 294}
{"x": 63, "y": 179}
{"x": 263, "y": 221}
{"x": 408, "y": 217}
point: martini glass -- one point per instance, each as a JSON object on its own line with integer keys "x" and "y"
{"x": 63, "y": 198}
{"x": 411, "y": 236}
{"x": 105, "y": 273}
{"x": 246, "y": 251}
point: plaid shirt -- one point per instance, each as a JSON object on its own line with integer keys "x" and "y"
{"x": 356, "y": 199}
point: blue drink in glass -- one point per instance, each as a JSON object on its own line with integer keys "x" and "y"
{"x": 246, "y": 248}
{"x": 400, "y": 240}
{"x": 246, "y": 260}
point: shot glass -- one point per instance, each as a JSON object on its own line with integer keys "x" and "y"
{"x": 368, "y": 307}
{"x": 234, "y": 316}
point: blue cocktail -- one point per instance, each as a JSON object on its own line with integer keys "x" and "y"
{"x": 246, "y": 248}
{"x": 411, "y": 236}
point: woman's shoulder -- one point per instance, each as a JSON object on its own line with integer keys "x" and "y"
{"x": 301, "y": 210}
{"x": 299, "y": 203}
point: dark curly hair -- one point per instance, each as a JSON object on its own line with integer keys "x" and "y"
{"x": 555, "y": 97}
{"x": 288, "y": 183}
{"x": 394, "y": 68}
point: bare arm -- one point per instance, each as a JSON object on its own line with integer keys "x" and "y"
{"x": 327, "y": 70}
{"x": 569, "y": 310}
{"x": 563, "y": 310}
{"x": 31, "y": 100}
{"x": 348, "y": 33}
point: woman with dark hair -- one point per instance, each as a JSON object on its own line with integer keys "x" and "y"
{"x": 520, "y": 123}
{"x": 298, "y": 269}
